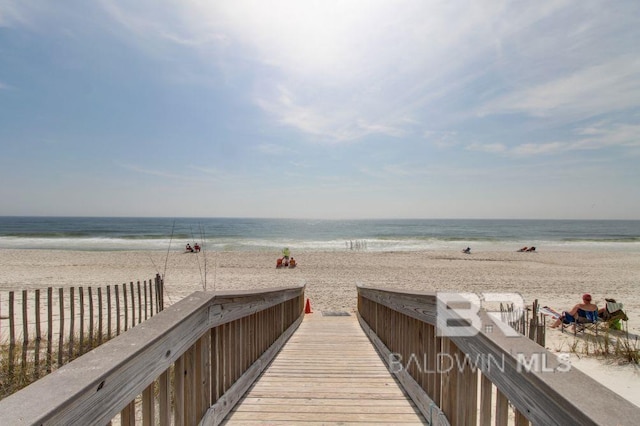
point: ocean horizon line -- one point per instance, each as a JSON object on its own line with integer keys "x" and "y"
{"x": 321, "y": 219}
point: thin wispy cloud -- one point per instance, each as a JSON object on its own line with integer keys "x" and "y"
{"x": 591, "y": 91}
{"x": 329, "y": 97}
{"x": 487, "y": 147}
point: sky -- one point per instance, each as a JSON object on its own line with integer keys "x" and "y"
{"x": 320, "y": 109}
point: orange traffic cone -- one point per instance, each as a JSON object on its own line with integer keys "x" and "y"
{"x": 307, "y": 308}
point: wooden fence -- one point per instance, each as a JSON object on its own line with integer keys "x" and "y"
{"x": 46, "y": 328}
{"x": 453, "y": 379}
{"x": 527, "y": 321}
{"x": 190, "y": 363}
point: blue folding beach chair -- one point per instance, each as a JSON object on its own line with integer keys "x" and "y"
{"x": 583, "y": 320}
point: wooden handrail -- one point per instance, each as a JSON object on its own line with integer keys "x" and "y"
{"x": 549, "y": 392}
{"x": 212, "y": 338}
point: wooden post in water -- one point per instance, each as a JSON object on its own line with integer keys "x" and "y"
{"x": 72, "y": 319}
{"x": 117, "y": 310}
{"x": 81, "y": 301}
{"x": 36, "y": 352}
{"x": 25, "y": 333}
{"x": 49, "y": 328}
{"x": 61, "y": 334}
{"x": 126, "y": 307}
{"x": 12, "y": 335}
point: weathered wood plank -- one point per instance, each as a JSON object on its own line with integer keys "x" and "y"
{"x": 333, "y": 385}
{"x": 230, "y": 398}
{"x": 250, "y": 403}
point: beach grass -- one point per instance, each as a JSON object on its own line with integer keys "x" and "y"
{"x": 18, "y": 369}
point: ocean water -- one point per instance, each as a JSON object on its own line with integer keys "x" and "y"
{"x": 241, "y": 234}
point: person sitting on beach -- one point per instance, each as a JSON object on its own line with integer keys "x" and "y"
{"x": 196, "y": 247}
{"x": 292, "y": 263}
{"x": 525, "y": 248}
{"x": 467, "y": 250}
{"x": 188, "y": 248}
{"x": 531, "y": 249}
{"x": 279, "y": 263}
{"x": 570, "y": 316}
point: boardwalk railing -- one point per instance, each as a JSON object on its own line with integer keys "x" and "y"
{"x": 191, "y": 362}
{"x": 443, "y": 374}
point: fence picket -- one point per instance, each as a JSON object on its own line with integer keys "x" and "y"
{"x": 25, "y": 332}
{"x": 49, "y": 328}
{"x": 36, "y": 351}
{"x": 61, "y": 335}
{"x": 81, "y": 303}
{"x": 12, "y": 334}
{"x": 90, "y": 317}
{"x": 72, "y": 320}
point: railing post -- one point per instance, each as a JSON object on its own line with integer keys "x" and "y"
{"x": 148, "y": 406}
{"x": 164, "y": 398}
{"x": 190, "y": 394}
{"x": 486, "y": 390}
{"x": 502, "y": 409}
{"x": 178, "y": 389}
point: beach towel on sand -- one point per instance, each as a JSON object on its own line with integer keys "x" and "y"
{"x": 545, "y": 310}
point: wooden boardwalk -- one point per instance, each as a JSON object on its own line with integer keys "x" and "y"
{"x": 327, "y": 373}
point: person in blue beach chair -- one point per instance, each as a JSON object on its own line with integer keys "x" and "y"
{"x": 586, "y": 310}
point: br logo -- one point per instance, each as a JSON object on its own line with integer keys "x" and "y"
{"x": 458, "y": 314}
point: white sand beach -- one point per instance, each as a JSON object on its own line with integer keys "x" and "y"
{"x": 555, "y": 278}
